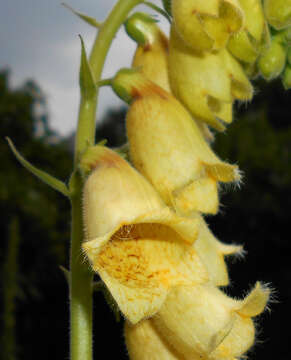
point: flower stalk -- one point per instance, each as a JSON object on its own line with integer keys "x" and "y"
{"x": 80, "y": 275}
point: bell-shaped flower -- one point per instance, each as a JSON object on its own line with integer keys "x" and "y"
{"x": 247, "y": 43}
{"x": 206, "y": 25}
{"x": 206, "y": 83}
{"x": 138, "y": 246}
{"x": 167, "y": 147}
{"x": 152, "y": 52}
{"x": 278, "y": 13}
{"x": 212, "y": 253}
{"x": 201, "y": 322}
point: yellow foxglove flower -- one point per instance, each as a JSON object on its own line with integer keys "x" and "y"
{"x": 246, "y": 44}
{"x": 202, "y": 321}
{"x": 167, "y": 147}
{"x": 152, "y": 52}
{"x": 206, "y": 25}
{"x": 278, "y": 13}
{"x": 206, "y": 83}
{"x": 138, "y": 246}
{"x": 212, "y": 253}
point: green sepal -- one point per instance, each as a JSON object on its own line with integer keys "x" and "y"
{"x": 45, "y": 177}
{"x": 158, "y": 10}
{"x": 66, "y": 273}
{"x": 123, "y": 151}
{"x": 167, "y": 6}
{"x": 88, "y": 19}
{"x": 139, "y": 27}
{"x": 87, "y": 83}
{"x": 100, "y": 286}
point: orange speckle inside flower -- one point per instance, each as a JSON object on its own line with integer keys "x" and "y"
{"x": 144, "y": 255}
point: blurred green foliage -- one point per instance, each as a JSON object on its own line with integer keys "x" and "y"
{"x": 43, "y": 214}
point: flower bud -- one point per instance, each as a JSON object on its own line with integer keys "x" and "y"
{"x": 206, "y": 83}
{"x": 272, "y": 61}
{"x": 203, "y": 321}
{"x": 206, "y": 25}
{"x": 167, "y": 147}
{"x": 152, "y": 51}
{"x": 138, "y": 246}
{"x": 287, "y": 77}
{"x": 278, "y": 13}
{"x": 245, "y": 45}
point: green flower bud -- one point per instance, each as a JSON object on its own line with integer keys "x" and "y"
{"x": 272, "y": 60}
{"x": 287, "y": 77}
{"x": 141, "y": 28}
{"x": 278, "y": 13}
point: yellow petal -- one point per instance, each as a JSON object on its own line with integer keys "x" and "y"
{"x": 144, "y": 343}
{"x": 199, "y": 81}
{"x": 212, "y": 253}
{"x": 242, "y": 47}
{"x": 240, "y": 339}
{"x": 255, "y": 303}
{"x": 209, "y": 323}
{"x": 195, "y": 320}
{"x": 206, "y": 25}
{"x": 241, "y": 88}
{"x": 152, "y": 55}
{"x": 141, "y": 263}
{"x": 254, "y": 17}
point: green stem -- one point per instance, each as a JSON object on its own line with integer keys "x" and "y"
{"x": 80, "y": 285}
{"x": 80, "y": 276}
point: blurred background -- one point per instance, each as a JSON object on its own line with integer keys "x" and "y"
{"x": 38, "y": 110}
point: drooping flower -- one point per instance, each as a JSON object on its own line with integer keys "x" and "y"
{"x": 167, "y": 147}
{"x": 152, "y": 52}
{"x": 206, "y": 83}
{"x": 201, "y": 322}
{"x": 248, "y": 42}
{"x": 138, "y": 246}
{"x": 206, "y": 25}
